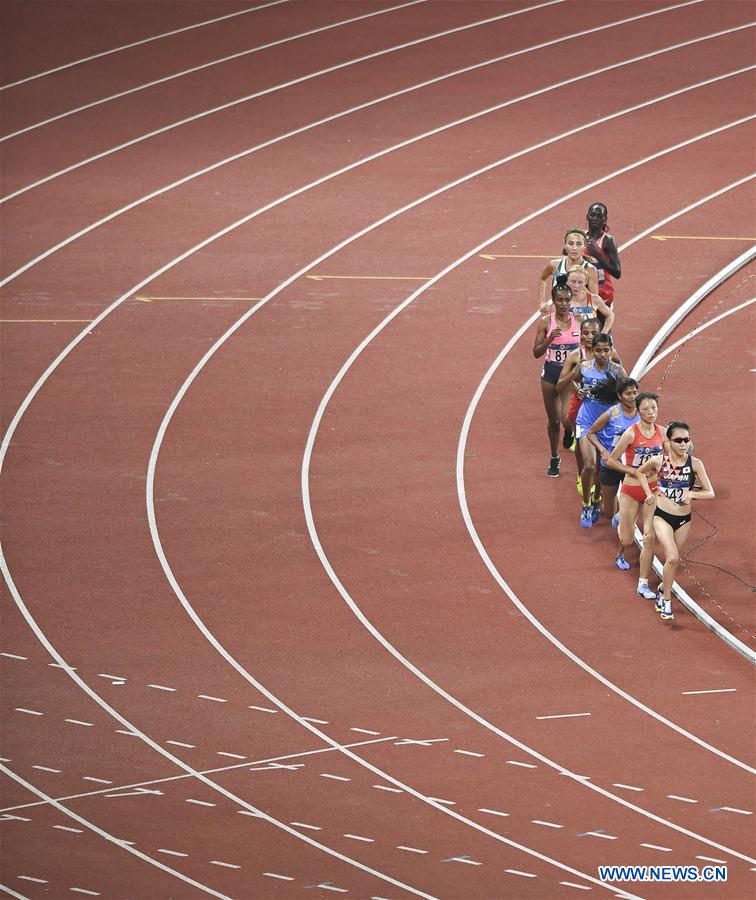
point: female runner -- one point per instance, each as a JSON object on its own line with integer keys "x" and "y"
{"x": 639, "y": 443}
{"x": 574, "y": 247}
{"x": 678, "y": 471}
{"x": 602, "y": 250}
{"x": 597, "y": 379}
{"x": 604, "y": 434}
{"x": 557, "y": 334}
{"x": 589, "y": 328}
{"x": 584, "y": 304}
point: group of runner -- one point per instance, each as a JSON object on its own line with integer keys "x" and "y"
{"x": 627, "y": 463}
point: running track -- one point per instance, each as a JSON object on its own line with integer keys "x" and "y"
{"x": 289, "y": 605}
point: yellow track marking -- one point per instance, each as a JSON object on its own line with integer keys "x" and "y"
{"x": 693, "y": 237}
{"x": 145, "y": 299}
{"x": 43, "y": 321}
{"x": 367, "y": 278}
{"x": 516, "y": 256}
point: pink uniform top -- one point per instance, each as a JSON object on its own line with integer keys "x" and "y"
{"x": 568, "y": 340}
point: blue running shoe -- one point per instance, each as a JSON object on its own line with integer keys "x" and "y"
{"x": 615, "y": 520}
{"x": 595, "y": 512}
{"x": 666, "y": 610}
{"x": 643, "y": 590}
{"x": 659, "y": 602}
{"x": 586, "y": 516}
{"x": 621, "y": 562}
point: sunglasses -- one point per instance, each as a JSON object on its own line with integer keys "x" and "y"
{"x": 681, "y": 440}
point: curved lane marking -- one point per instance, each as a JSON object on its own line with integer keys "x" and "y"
{"x": 356, "y": 609}
{"x": 156, "y": 37}
{"x": 279, "y": 87}
{"x": 314, "y": 537}
{"x": 106, "y": 836}
{"x": 71, "y": 346}
{"x": 208, "y": 65}
{"x": 481, "y": 548}
{"x": 506, "y": 56}
{"x": 377, "y": 155}
{"x": 696, "y": 331}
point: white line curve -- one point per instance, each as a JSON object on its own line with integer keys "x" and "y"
{"x": 151, "y": 134}
{"x": 208, "y": 65}
{"x": 156, "y": 37}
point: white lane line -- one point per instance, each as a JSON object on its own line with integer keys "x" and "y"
{"x": 96, "y": 780}
{"x": 29, "y": 712}
{"x": 54, "y": 665}
{"x": 365, "y": 731}
{"x": 105, "y": 675}
{"x": 305, "y": 825}
{"x": 104, "y": 834}
{"x": 263, "y": 709}
{"x": 327, "y": 886}
{"x": 733, "y": 809}
{"x": 445, "y": 802}
{"x": 469, "y": 753}
{"x": 247, "y": 152}
{"x": 334, "y": 777}
{"x": 315, "y": 721}
{"x": 79, "y": 722}
{"x": 564, "y": 716}
{"x": 427, "y": 742}
{"x": 182, "y": 744}
{"x": 464, "y": 859}
{"x": 156, "y": 37}
{"x": 184, "y": 775}
{"x": 11, "y": 893}
{"x": 523, "y": 765}
{"x": 657, "y": 847}
{"x": 410, "y": 849}
{"x": 385, "y": 787}
{"x": 230, "y": 755}
{"x": 161, "y": 687}
{"x": 210, "y": 697}
{"x": 599, "y": 834}
{"x": 68, "y": 828}
{"x": 78, "y": 890}
{"x": 717, "y": 690}
{"x": 627, "y": 787}
{"x": 12, "y": 586}
{"x": 128, "y": 732}
{"x": 199, "y": 802}
{"x": 493, "y": 812}
{"x": 8, "y": 818}
{"x": 522, "y": 874}
{"x": 358, "y": 837}
{"x": 32, "y": 878}
{"x": 682, "y": 799}
{"x": 217, "y": 862}
{"x": 276, "y": 875}
{"x": 48, "y": 769}
{"x": 722, "y": 862}
{"x": 14, "y": 656}
{"x": 209, "y": 65}
{"x": 171, "y": 852}
{"x": 546, "y": 824}
{"x": 580, "y": 887}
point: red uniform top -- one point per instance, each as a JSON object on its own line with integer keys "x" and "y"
{"x": 642, "y": 448}
{"x": 605, "y": 283}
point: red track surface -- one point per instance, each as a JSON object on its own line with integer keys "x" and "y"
{"x": 250, "y": 647}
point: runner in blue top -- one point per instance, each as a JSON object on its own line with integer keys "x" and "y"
{"x": 597, "y": 379}
{"x": 604, "y": 434}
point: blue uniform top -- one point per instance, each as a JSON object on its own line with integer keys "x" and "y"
{"x": 591, "y": 409}
{"x": 616, "y": 426}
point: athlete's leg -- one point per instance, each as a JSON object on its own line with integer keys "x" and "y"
{"x": 553, "y": 405}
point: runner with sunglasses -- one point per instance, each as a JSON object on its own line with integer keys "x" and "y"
{"x": 677, "y": 472}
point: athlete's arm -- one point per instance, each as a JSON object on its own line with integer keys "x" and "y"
{"x": 606, "y": 311}
{"x": 613, "y": 460}
{"x": 548, "y": 272}
{"x": 703, "y": 479}
{"x": 592, "y": 435}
